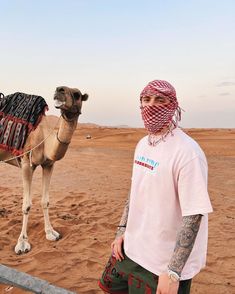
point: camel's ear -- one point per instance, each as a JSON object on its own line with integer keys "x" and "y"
{"x": 84, "y": 97}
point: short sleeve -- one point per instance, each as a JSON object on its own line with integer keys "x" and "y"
{"x": 192, "y": 188}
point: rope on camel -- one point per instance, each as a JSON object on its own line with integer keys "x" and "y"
{"x": 31, "y": 150}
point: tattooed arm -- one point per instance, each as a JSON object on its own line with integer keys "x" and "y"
{"x": 184, "y": 243}
{"x": 117, "y": 245}
{"x": 122, "y": 225}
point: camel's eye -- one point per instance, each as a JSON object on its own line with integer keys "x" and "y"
{"x": 61, "y": 90}
{"x": 76, "y": 95}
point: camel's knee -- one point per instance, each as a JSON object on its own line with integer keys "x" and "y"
{"x": 26, "y": 209}
{"x": 45, "y": 204}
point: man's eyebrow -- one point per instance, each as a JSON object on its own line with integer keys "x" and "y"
{"x": 161, "y": 96}
{"x": 146, "y": 97}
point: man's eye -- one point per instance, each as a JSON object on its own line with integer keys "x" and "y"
{"x": 160, "y": 99}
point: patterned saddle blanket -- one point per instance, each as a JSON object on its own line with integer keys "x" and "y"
{"x": 20, "y": 113}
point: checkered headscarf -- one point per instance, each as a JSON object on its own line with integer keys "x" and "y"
{"x": 161, "y": 88}
{"x": 157, "y": 117}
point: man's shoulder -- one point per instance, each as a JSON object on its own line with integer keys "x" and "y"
{"x": 185, "y": 138}
{"x": 187, "y": 146}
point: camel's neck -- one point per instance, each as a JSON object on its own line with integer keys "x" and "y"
{"x": 60, "y": 142}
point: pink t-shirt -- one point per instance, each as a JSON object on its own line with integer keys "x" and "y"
{"x": 168, "y": 181}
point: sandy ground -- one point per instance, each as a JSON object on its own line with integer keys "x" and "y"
{"x": 88, "y": 190}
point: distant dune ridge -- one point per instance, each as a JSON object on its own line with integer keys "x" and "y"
{"x": 88, "y": 190}
{"x": 54, "y": 120}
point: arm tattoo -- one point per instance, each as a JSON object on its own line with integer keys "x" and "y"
{"x": 184, "y": 242}
{"x": 123, "y": 221}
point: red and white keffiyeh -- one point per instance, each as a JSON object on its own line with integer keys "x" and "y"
{"x": 159, "y": 87}
{"x": 157, "y": 117}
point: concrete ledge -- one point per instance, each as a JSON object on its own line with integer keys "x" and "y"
{"x": 25, "y": 281}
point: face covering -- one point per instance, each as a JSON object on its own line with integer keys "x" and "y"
{"x": 157, "y": 117}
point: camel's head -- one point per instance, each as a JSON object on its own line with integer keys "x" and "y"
{"x": 69, "y": 101}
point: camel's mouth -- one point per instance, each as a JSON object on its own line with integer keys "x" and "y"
{"x": 59, "y": 104}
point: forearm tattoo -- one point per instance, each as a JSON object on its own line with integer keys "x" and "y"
{"x": 184, "y": 243}
{"x": 123, "y": 220}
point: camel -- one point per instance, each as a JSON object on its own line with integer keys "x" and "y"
{"x": 52, "y": 148}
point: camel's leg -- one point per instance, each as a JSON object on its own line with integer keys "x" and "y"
{"x": 23, "y": 245}
{"x": 51, "y": 234}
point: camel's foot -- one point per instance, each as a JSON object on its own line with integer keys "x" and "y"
{"x": 22, "y": 246}
{"x": 52, "y": 235}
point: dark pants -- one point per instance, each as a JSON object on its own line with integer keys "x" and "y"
{"x": 129, "y": 277}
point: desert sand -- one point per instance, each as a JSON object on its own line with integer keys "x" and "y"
{"x": 87, "y": 194}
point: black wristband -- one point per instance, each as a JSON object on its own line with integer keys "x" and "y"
{"x": 122, "y": 226}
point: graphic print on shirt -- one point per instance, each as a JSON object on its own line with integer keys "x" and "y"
{"x": 147, "y": 163}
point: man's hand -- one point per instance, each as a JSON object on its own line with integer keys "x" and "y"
{"x": 117, "y": 247}
{"x": 166, "y": 286}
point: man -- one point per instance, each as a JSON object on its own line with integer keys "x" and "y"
{"x": 161, "y": 241}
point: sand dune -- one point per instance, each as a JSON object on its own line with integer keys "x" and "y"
{"x": 88, "y": 190}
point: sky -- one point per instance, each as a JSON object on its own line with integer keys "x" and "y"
{"x": 112, "y": 49}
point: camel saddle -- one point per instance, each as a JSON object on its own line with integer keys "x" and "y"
{"x": 20, "y": 113}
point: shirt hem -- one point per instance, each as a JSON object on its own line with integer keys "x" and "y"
{"x": 183, "y": 277}
{"x": 195, "y": 212}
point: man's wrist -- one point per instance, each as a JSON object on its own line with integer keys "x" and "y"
{"x": 120, "y": 231}
{"x": 173, "y": 276}
{"x": 121, "y": 228}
